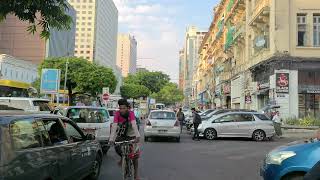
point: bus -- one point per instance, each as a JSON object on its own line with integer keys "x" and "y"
{"x": 9, "y": 88}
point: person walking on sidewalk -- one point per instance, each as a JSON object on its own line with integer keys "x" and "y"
{"x": 181, "y": 118}
{"x": 196, "y": 122}
{"x": 277, "y": 123}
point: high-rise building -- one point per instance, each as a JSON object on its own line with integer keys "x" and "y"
{"x": 17, "y": 42}
{"x": 193, "y": 42}
{"x": 127, "y": 54}
{"x": 181, "y": 69}
{"x": 96, "y": 31}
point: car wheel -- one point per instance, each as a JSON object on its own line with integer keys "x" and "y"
{"x": 258, "y": 135}
{"x": 210, "y": 134}
{"x": 96, "y": 168}
{"x": 294, "y": 176}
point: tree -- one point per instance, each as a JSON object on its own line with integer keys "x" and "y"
{"x": 134, "y": 91}
{"x": 154, "y": 81}
{"x": 44, "y": 13}
{"x": 169, "y": 94}
{"x": 83, "y": 76}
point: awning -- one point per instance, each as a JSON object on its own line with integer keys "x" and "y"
{"x": 16, "y": 84}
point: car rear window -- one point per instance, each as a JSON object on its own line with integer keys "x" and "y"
{"x": 43, "y": 105}
{"x": 263, "y": 117}
{"x": 111, "y": 112}
{"x": 88, "y": 115}
{"x": 162, "y": 115}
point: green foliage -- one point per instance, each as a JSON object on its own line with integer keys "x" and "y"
{"x": 306, "y": 121}
{"x": 44, "y": 13}
{"x": 134, "y": 91}
{"x": 154, "y": 81}
{"x": 83, "y": 76}
{"x": 169, "y": 94}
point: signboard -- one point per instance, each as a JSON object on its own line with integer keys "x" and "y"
{"x": 50, "y": 81}
{"x": 282, "y": 82}
{"x": 248, "y": 99}
{"x": 260, "y": 42}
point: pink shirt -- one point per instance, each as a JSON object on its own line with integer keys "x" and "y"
{"x": 119, "y": 119}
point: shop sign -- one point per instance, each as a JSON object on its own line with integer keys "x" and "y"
{"x": 248, "y": 99}
{"x": 282, "y": 82}
{"x": 313, "y": 91}
{"x": 260, "y": 42}
{"x": 226, "y": 89}
{"x": 263, "y": 86}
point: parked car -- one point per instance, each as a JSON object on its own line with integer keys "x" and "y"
{"x": 92, "y": 120}
{"x": 238, "y": 124}
{"x": 162, "y": 123}
{"x": 292, "y": 161}
{"x": 25, "y": 104}
{"x": 206, "y": 112}
{"x": 42, "y": 147}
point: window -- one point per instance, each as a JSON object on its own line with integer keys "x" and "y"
{"x": 84, "y": 12}
{"x": 83, "y": 18}
{"x": 84, "y": 6}
{"x": 163, "y": 115}
{"x": 316, "y": 30}
{"x": 89, "y": 29}
{"x": 89, "y": 12}
{"x": 17, "y": 74}
{"x": 89, "y": 23}
{"x": 88, "y": 52}
{"x": 43, "y": 105}
{"x": 89, "y": 18}
{"x": 88, "y": 46}
{"x": 56, "y": 131}
{"x": 243, "y": 117}
{"x": 83, "y": 29}
{"x": 72, "y": 133}
{"x": 262, "y": 117}
{"x": 81, "y": 46}
{"x": 302, "y": 29}
{"x": 25, "y": 134}
{"x": 88, "y": 115}
{"x": 226, "y": 118}
{"x": 83, "y": 23}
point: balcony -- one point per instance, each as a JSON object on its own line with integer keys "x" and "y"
{"x": 234, "y": 8}
{"x": 260, "y": 11}
{"x": 229, "y": 39}
{"x": 240, "y": 30}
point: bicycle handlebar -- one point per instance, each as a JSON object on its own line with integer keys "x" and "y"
{"x": 124, "y": 142}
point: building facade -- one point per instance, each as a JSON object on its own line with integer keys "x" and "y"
{"x": 262, "y": 52}
{"x": 181, "y": 69}
{"x": 127, "y": 54}
{"x": 96, "y": 31}
{"x": 193, "y": 40}
{"x": 17, "y": 42}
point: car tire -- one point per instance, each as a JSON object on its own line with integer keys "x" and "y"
{"x": 294, "y": 176}
{"x": 210, "y": 134}
{"x": 145, "y": 139}
{"x": 258, "y": 135}
{"x": 96, "y": 168}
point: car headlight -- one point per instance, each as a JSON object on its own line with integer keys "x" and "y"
{"x": 278, "y": 157}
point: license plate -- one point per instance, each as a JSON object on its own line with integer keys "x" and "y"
{"x": 89, "y": 131}
{"x": 162, "y": 131}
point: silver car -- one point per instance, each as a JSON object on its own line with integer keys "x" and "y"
{"x": 238, "y": 124}
{"x": 162, "y": 123}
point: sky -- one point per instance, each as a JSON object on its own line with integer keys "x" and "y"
{"x": 159, "y": 27}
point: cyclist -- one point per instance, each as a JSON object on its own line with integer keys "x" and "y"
{"x": 124, "y": 128}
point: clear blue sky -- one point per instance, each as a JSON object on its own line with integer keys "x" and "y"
{"x": 159, "y": 27}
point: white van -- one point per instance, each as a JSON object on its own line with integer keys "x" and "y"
{"x": 25, "y": 104}
{"x": 92, "y": 120}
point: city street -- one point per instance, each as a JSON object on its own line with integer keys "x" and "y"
{"x": 223, "y": 159}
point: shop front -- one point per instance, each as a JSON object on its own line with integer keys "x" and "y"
{"x": 309, "y": 93}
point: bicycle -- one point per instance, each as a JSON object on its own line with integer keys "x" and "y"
{"x": 127, "y": 159}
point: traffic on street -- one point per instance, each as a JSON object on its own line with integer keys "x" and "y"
{"x": 159, "y": 90}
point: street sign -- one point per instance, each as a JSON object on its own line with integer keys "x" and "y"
{"x": 50, "y": 81}
{"x": 105, "y": 96}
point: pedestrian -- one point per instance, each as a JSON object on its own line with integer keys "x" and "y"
{"x": 196, "y": 123}
{"x": 181, "y": 118}
{"x": 277, "y": 123}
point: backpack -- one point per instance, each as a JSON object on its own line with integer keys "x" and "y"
{"x": 197, "y": 119}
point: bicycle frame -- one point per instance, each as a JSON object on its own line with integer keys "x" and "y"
{"x": 127, "y": 162}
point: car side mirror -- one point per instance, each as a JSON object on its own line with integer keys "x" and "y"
{"x": 90, "y": 137}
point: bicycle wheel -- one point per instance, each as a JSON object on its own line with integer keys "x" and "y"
{"x": 130, "y": 166}
{"x": 124, "y": 168}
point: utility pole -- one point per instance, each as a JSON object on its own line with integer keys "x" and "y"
{"x": 65, "y": 81}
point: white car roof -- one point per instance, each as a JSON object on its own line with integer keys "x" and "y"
{"x": 23, "y": 98}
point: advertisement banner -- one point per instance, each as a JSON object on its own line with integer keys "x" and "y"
{"x": 50, "y": 81}
{"x": 282, "y": 82}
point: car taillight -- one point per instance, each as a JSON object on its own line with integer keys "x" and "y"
{"x": 148, "y": 123}
{"x": 177, "y": 123}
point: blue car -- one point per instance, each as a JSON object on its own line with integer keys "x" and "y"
{"x": 291, "y": 162}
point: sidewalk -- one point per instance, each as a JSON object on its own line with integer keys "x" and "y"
{"x": 298, "y": 133}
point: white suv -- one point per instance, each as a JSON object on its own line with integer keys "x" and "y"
{"x": 92, "y": 120}
{"x": 25, "y": 104}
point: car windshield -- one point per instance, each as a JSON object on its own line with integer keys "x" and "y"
{"x": 43, "y": 105}
{"x": 88, "y": 115}
{"x": 162, "y": 115}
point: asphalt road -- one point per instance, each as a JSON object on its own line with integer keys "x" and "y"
{"x": 223, "y": 159}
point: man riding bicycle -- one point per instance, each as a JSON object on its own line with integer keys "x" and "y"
{"x": 124, "y": 128}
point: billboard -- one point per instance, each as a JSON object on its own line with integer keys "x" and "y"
{"x": 282, "y": 82}
{"x": 50, "y": 81}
